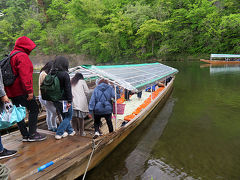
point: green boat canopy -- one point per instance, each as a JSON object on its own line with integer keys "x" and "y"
{"x": 132, "y": 76}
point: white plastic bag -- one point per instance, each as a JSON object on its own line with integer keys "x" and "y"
{"x": 11, "y": 115}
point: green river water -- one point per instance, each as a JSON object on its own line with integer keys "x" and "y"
{"x": 195, "y": 135}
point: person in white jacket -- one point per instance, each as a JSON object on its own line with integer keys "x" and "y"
{"x": 80, "y": 103}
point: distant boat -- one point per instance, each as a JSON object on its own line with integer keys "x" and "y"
{"x": 223, "y": 59}
{"x": 72, "y": 157}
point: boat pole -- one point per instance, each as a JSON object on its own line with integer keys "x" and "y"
{"x": 151, "y": 94}
{"x": 115, "y": 87}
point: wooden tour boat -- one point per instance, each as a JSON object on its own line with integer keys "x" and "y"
{"x": 223, "y": 59}
{"x": 73, "y": 156}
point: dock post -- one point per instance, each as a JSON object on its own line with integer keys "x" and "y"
{"x": 151, "y": 94}
{"x": 115, "y": 106}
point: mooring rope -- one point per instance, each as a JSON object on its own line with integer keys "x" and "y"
{"x": 4, "y": 172}
{"x": 94, "y": 147}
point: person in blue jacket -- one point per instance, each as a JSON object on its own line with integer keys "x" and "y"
{"x": 100, "y": 105}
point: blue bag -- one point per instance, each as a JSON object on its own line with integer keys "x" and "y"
{"x": 148, "y": 89}
{"x": 11, "y": 115}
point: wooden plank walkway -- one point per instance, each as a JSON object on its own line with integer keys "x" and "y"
{"x": 32, "y": 155}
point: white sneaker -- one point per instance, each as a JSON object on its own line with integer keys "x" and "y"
{"x": 58, "y": 137}
{"x": 65, "y": 134}
{"x": 83, "y": 134}
{"x": 73, "y": 133}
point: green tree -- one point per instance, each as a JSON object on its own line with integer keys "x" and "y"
{"x": 15, "y": 13}
{"x": 116, "y": 38}
{"x": 138, "y": 14}
{"x": 148, "y": 33}
{"x": 229, "y": 31}
{"x": 57, "y": 11}
{"x": 116, "y": 30}
{"x": 32, "y": 29}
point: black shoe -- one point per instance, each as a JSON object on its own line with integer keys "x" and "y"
{"x": 7, "y": 153}
{"x": 96, "y": 135}
{"x": 37, "y": 137}
{"x": 25, "y": 139}
{"x": 124, "y": 123}
{"x": 86, "y": 118}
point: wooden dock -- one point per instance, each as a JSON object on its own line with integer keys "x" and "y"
{"x": 32, "y": 155}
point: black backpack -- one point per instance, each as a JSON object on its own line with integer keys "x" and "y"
{"x": 50, "y": 88}
{"x": 7, "y": 72}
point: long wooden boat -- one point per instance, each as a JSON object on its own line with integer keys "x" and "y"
{"x": 223, "y": 59}
{"x": 219, "y": 61}
{"x": 73, "y": 156}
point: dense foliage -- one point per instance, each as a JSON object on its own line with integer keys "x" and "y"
{"x": 115, "y": 30}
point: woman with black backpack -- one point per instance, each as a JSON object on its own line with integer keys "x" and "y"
{"x": 64, "y": 105}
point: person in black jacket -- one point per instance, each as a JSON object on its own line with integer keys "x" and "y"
{"x": 64, "y": 106}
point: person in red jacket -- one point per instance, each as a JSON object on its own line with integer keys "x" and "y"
{"x": 21, "y": 91}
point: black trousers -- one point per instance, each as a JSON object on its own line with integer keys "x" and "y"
{"x": 33, "y": 109}
{"x": 139, "y": 94}
{"x": 97, "y": 119}
{"x": 127, "y": 93}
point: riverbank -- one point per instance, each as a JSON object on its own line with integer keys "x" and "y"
{"x": 39, "y": 60}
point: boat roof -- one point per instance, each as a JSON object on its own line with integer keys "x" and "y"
{"x": 133, "y": 76}
{"x": 225, "y": 55}
{"x": 86, "y": 73}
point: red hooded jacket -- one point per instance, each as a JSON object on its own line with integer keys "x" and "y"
{"x": 22, "y": 68}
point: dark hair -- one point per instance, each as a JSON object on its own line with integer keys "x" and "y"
{"x": 61, "y": 63}
{"x": 47, "y": 67}
{"x": 76, "y": 78}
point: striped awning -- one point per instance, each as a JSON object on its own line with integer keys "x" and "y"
{"x": 133, "y": 76}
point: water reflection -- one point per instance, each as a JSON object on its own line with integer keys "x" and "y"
{"x": 225, "y": 69}
{"x": 222, "y": 69}
{"x": 160, "y": 170}
{"x": 138, "y": 158}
